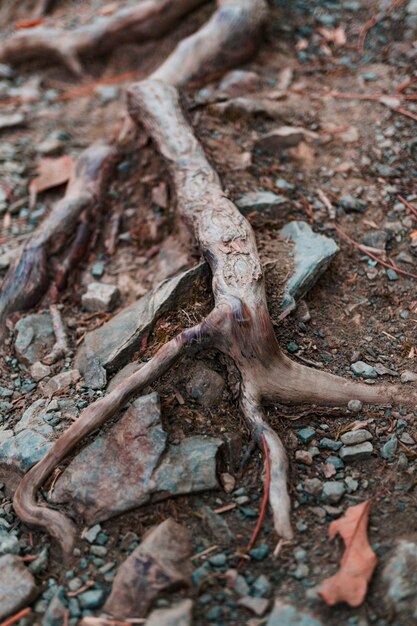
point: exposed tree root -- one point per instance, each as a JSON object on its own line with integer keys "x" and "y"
{"x": 149, "y": 20}
{"x": 28, "y": 279}
{"x": 239, "y": 325}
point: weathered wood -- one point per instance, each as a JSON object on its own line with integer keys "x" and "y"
{"x": 239, "y": 325}
{"x": 150, "y": 19}
{"x": 28, "y": 279}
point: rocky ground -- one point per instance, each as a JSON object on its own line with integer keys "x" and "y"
{"x": 293, "y": 152}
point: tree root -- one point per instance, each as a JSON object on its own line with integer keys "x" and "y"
{"x": 149, "y": 20}
{"x": 239, "y": 325}
{"x": 28, "y": 279}
{"x": 60, "y": 348}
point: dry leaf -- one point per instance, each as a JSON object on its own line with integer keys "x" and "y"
{"x": 350, "y": 583}
{"x": 51, "y": 173}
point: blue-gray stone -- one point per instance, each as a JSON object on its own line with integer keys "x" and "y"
{"x": 351, "y": 204}
{"x": 218, "y": 560}
{"x": 17, "y": 586}
{"x": 92, "y": 533}
{"x": 261, "y": 587}
{"x": 262, "y": 201}
{"x": 329, "y": 444}
{"x": 392, "y": 274}
{"x": 336, "y": 462}
{"x": 9, "y": 544}
{"x": 360, "y": 368}
{"x": 35, "y": 337}
{"x": 312, "y": 255}
{"x": 30, "y": 440}
{"x": 92, "y": 599}
{"x": 333, "y": 491}
{"x": 97, "y": 270}
{"x": 200, "y": 574}
{"x": 293, "y": 347}
{"x": 260, "y": 552}
{"x": 400, "y": 580}
{"x": 389, "y": 448}
{"x": 54, "y": 615}
{"x": 306, "y": 434}
{"x": 287, "y": 615}
{"x": 215, "y": 614}
{"x": 359, "y": 452}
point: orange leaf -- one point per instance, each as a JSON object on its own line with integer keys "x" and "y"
{"x": 51, "y": 173}
{"x": 29, "y": 23}
{"x": 350, "y": 583}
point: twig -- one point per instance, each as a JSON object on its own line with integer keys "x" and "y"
{"x": 265, "y": 496}
{"x": 198, "y": 555}
{"x": 15, "y": 618}
{"x": 406, "y": 84}
{"x": 372, "y": 256}
{"x": 373, "y": 21}
{"x": 408, "y": 205}
{"x": 60, "y": 347}
{"x": 412, "y": 116}
{"x": 330, "y": 208}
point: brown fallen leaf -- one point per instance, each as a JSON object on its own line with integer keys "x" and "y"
{"x": 350, "y": 583}
{"x": 51, "y": 173}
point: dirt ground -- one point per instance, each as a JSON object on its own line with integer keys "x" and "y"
{"x": 362, "y": 148}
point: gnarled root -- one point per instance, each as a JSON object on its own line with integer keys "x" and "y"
{"x": 94, "y": 416}
{"x": 239, "y": 325}
{"x": 28, "y": 279}
{"x": 149, "y": 20}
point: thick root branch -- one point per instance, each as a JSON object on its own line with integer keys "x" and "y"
{"x": 28, "y": 280}
{"x": 229, "y": 37}
{"x": 149, "y": 20}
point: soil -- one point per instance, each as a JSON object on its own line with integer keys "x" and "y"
{"x": 354, "y": 308}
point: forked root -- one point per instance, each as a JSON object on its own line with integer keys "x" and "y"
{"x": 239, "y": 325}
{"x": 94, "y": 416}
{"x": 150, "y": 19}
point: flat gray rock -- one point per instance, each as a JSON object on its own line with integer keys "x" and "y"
{"x": 400, "y": 580}
{"x": 17, "y": 585}
{"x": 131, "y": 464}
{"x": 288, "y": 615}
{"x": 312, "y": 255}
{"x": 35, "y": 337}
{"x": 264, "y": 202}
{"x": 159, "y": 563}
{"x": 358, "y": 452}
{"x": 112, "y": 345}
{"x": 30, "y": 439}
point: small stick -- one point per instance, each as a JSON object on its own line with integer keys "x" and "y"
{"x": 198, "y": 555}
{"x": 15, "y": 618}
{"x": 60, "y": 348}
{"x": 265, "y": 496}
{"x": 330, "y": 208}
{"x": 373, "y": 256}
{"x": 408, "y": 205}
{"x": 373, "y": 21}
{"x": 406, "y": 113}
